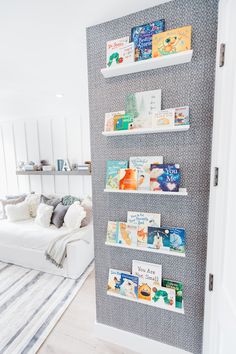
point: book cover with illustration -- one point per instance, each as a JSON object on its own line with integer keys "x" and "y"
{"x": 112, "y": 173}
{"x": 123, "y": 55}
{"x": 113, "y": 47}
{"x": 128, "y": 179}
{"x": 142, "y": 165}
{"x": 149, "y": 275}
{"x": 143, "y": 220}
{"x": 164, "y": 118}
{"x": 178, "y": 287}
{"x": 172, "y": 41}
{"x": 112, "y": 232}
{"x": 158, "y": 238}
{"x": 114, "y": 280}
{"x": 127, "y": 234}
{"x": 109, "y": 120}
{"x": 123, "y": 121}
{"x": 129, "y": 285}
{"x": 142, "y": 38}
{"x": 177, "y": 239}
{"x": 165, "y": 178}
{"x": 163, "y": 296}
{"x": 142, "y": 105}
{"x": 182, "y": 115}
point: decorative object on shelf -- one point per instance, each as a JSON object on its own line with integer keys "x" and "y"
{"x": 60, "y": 164}
{"x": 112, "y": 174}
{"x": 66, "y": 166}
{"x": 47, "y": 168}
{"x": 113, "y": 48}
{"x": 164, "y": 177}
{"x": 142, "y": 105}
{"x": 172, "y": 41}
{"x": 142, "y": 38}
{"x": 150, "y": 64}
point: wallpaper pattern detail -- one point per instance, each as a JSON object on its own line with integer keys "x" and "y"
{"x": 188, "y": 84}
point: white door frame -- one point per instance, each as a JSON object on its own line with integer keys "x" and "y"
{"x": 224, "y": 112}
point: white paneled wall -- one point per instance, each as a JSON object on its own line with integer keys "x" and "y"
{"x": 48, "y": 139}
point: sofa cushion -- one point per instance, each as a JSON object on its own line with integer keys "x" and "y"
{"x": 18, "y": 212}
{"x": 59, "y": 214}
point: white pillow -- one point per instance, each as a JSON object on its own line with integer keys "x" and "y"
{"x": 74, "y": 216}
{"x": 17, "y": 212}
{"x": 33, "y": 201}
{"x": 44, "y": 214}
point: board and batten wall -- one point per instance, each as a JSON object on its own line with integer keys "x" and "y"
{"x": 189, "y": 84}
{"x": 43, "y": 138}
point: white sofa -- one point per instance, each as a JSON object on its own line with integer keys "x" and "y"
{"x": 24, "y": 243}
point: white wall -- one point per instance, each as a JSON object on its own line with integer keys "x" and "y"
{"x": 43, "y": 53}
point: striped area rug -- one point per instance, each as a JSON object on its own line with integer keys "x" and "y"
{"x": 31, "y": 303}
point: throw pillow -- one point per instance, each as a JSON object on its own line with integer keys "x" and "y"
{"x": 16, "y": 196}
{"x": 88, "y": 207}
{"x": 33, "y": 201}
{"x": 74, "y": 216}
{"x": 44, "y": 214}
{"x": 69, "y": 200}
{"x": 59, "y": 214}
{"x": 17, "y": 212}
{"x": 10, "y": 202}
{"x": 54, "y": 201}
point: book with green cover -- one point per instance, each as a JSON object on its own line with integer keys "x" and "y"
{"x": 178, "y": 287}
{"x": 112, "y": 174}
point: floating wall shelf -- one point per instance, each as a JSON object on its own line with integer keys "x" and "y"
{"x": 182, "y": 192}
{"x": 180, "y": 128}
{"x": 170, "y": 253}
{"x": 149, "y": 64}
{"x": 161, "y": 306}
{"x": 53, "y": 173}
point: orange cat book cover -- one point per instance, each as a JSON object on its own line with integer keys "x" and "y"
{"x": 171, "y": 42}
{"x": 128, "y": 179}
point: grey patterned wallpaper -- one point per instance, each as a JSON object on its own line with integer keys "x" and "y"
{"x": 188, "y": 84}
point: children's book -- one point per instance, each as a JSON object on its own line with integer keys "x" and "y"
{"x": 112, "y": 174}
{"x": 114, "y": 280}
{"x": 182, "y": 115}
{"x": 123, "y": 122}
{"x": 127, "y": 234}
{"x": 142, "y": 38}
{"x": 129, "y": 285}
{"x": 112, "y": 232}
{"x": 143, "y": 164}
{"x": 158, "y": 238}
{"x": 128, "y": 179}
{"x": 178, "y": 287}
{"x": 149, "y": 275}
{"x": 142, "y": 105}
{"x": 163, "y": 119}
{"x": 109, "y": 120}
{"x": 165, "y": 178}
{"x": 171, "y": 42}
{"x": 112, "y": 49}
{"x": 143, "y": 220}
{"x": 123, "y": 55}
{"x": 163, "y": 296}
{"x": 177, "y": 239}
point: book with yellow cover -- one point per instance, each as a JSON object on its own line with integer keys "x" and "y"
{"x": 171, "y": 42}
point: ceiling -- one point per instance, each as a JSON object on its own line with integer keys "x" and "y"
{"x": 43, "y": 53}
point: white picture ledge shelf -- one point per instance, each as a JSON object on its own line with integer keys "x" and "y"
{"x": 181, "y": 128}
{"x": 149, "y": 64}
{"x": 182, "y": 192}
{"x": 160, "y": 306}
{"x": 169, "y": 253}
{"x": 53, "y": 173}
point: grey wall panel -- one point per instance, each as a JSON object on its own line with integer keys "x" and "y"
{"x": 188, "y": 84}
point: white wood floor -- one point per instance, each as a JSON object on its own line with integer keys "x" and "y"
{"x": 74, "y": 333}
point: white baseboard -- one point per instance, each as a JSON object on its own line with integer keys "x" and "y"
{"x": 133, "y": 341}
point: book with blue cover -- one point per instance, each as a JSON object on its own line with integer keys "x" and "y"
{"x": 142, "y": 38}
{"x": 165, "y": 177}
{"x": 112, "y": 175}
{"x": 114, "y": 280}
{"x": 177, "y": 239}
{"x": 128, "y": 286}
{"x": 158, "y": 238}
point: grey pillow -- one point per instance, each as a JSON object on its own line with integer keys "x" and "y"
{"x": 50, "y": 201}
{"x": 59, "y": 214}
{"x": 69, "y": 200}
{"x": 6, "y": 202}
